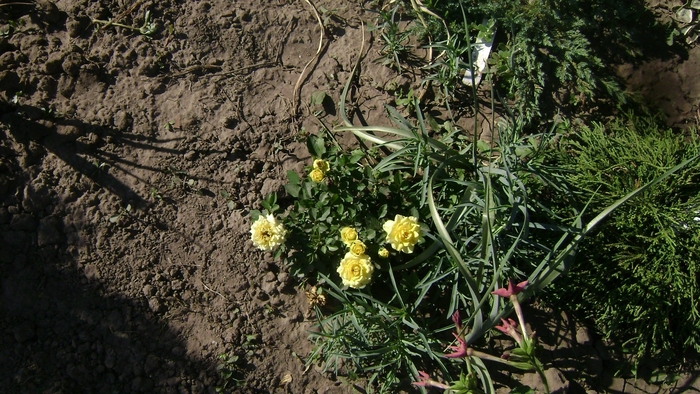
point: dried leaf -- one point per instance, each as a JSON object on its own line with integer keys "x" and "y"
{"x": 286, "y": 379}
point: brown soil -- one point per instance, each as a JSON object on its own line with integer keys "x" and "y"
{"x": 128, "y": 167}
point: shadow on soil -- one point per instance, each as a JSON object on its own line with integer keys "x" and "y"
{"x": 588, "y": 363}
{"x": 62, "y": 329}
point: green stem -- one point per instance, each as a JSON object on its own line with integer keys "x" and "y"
{"x": 519, "y": 313}
{"x": 110, "y": 23}
{"x": 486, "y": 356}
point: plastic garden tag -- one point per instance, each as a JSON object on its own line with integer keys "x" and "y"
{"x": 480, "y": 54}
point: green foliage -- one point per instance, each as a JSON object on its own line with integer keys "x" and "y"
{"x": 637, "y": 278}
{"x": 543, "y": 57}
{"x": 395, "y": 40}
{"x": 474, "y": 205}
{"x": 230, "y": 372}
{"x": 352, "y": 194}
{"x": 480, "y": 225}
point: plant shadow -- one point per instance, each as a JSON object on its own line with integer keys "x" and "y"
{"x": 588, "y": 362}
{"x": 64, "y": 328}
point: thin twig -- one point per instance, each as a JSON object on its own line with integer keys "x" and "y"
{"x": 4, "y": 4}
{"x": 419, "y": 7}
{"x": 214, "y": 291}
{"x": 297, "y": 86}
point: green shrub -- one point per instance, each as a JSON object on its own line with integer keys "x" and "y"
{"x": 548, "y": 55}
{"x": 637, "y": 277}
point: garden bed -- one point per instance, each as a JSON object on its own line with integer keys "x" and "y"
{"x": 130, "y": 164}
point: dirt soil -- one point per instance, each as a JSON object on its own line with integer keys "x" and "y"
{"x": 128, "y": 168}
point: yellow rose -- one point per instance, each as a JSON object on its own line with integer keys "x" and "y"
{"x": 383, "y": 252}
{"x": 355, "y": 271}
{"x": 267, "y": 233}
{"x": 321, "y": 165}
{"x": 403, "y": 233}
{"x": 357, "y": 248}
{"x": 348, "y": 235}
{"x": 316, "y": 175}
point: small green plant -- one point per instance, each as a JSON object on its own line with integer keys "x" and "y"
{"x": 230, "y": 204}
{"x": 11, "y": 26}
{"x": 405, "y": 100}
{"x": 395, "y": 39}
{"x": 148, "y": 28}
{"x": 331, "y": 15}
{"x": 181, "y": 179}
{"x": 321, "y": 103}
{"x": 122, "y": 212}
{"x": 155, "y": 194}
{"x": 16, "y": 98}
{"x": 230, "y": 373}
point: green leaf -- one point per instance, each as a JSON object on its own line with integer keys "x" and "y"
{"x": 254, "y": 215}
{"x": 317, "y": 97}
{"x": 292, "y": 190}
{"x": 316, "y": 146}
{"x": 684, "y": 15}
{"x": 356, "y": 156}
{"x": 308, "y": 189}
{"x": 293, "y": 177}
{"x": 382, "y": 211}
{"x": 324, "y": 215}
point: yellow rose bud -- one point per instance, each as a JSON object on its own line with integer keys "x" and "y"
{"x": 321, "y": 165}
{"x": 403, "y": 233}
{"x": 267, "y": 233}
{"x": 355, "y": 271}
{"x": 357, "y": 248}
{"x": 383, "y": 252}
{"x": 316, "y": 175}
{"x": 348, "y": 235}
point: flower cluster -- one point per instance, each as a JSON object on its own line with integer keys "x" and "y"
{"x": 402, "y": 233}
{"x": 267, "y": 233}
{"x": 356, "y": 267}
{"x": 319, "y": 170}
